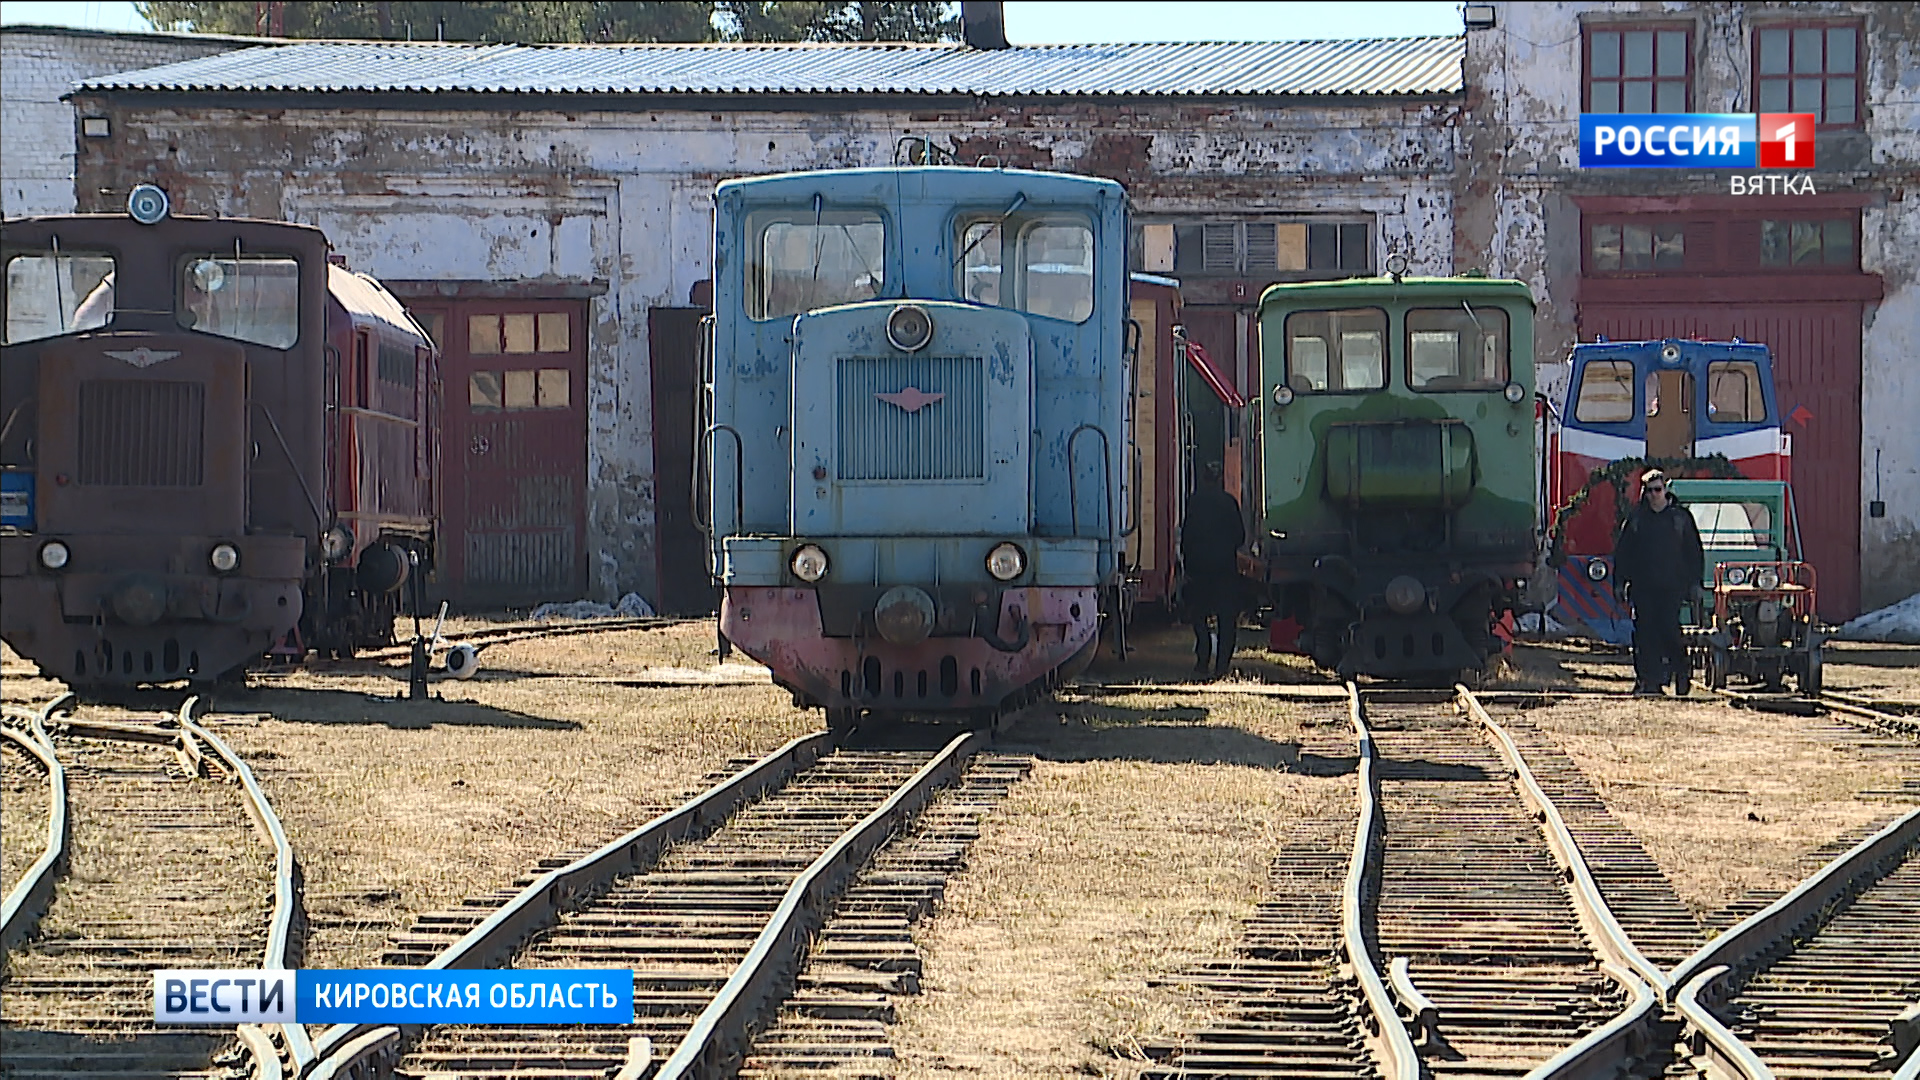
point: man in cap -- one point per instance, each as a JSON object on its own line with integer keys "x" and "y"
{"x": 1210, "y": 540}
{"x": 1658, "y": 563}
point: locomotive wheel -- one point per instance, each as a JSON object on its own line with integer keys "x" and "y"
{"x": 1717, "y": 669}
{"x": 1810, "y": 675}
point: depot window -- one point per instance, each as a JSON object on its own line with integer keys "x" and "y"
{"x": 1809, "y": 69}
{"x": 1606, "y": 393}
{"x": 1733, "y": 392}
{"x": 251, "y": 298}
{"x": 1627, "y": 247}
{"x": 1043, "y": 266}
{"x": 1330, "y": 352}
{"x": 802, "y": 260}
{"x": 1807, "y": 243}
{"x": 1462, "y": 348}
{"x": 50, "y": 294}
{"x": 1639, "y": 69}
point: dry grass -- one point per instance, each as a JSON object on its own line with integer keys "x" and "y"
{"x": 1726, "y": 799}
{"x": 1141, "y": 840}
{"x": 396, "y": 808}
{"x": 1884, "y": 671}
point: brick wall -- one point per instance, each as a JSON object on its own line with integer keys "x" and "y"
{"x": 37, "y": 129}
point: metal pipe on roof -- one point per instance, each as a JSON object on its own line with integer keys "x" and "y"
{"x": 983, "y": 24}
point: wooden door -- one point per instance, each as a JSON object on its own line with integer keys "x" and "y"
{"x": 513, "y": 451}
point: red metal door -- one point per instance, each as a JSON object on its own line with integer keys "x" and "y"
{"x": 1816, "y": 376}
{"x": 514, "y": 450}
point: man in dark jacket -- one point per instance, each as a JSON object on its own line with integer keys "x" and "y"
{"x": 1658, "y": 563}
{"x": 1210, "y": 540}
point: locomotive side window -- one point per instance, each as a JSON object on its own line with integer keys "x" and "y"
{"x": 1051, "y": 268}
{"x": 1459, "y": 348}
{"x": 800, "y": 260}
{"x": 249, "y": 298}
{"x": 1336, "y": 351}
{"x": 49, "y": 295}
{"x": 1733, "y": 392}
{"x": 1606, "y": 392}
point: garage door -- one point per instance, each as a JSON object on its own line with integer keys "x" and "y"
{"x": 513, "y": 450}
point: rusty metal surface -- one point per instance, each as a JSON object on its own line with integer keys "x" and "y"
{"x": 1419, "y": 65}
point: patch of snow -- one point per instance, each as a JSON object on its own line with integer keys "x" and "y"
{"x": 631, "y": 606}
{"x": 1896, "y": 623}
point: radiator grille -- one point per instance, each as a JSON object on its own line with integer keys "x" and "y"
{"x": 939, "y": 440}
{"x": 142, "y": 434}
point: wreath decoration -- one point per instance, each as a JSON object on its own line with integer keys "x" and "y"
{"x": 1616, "y": 474}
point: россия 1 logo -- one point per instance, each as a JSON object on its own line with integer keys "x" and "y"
{"x": 1696, "y": 140}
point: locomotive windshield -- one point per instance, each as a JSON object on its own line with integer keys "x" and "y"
{"x": 1733, "y": 392}
{"x": 1459, "y": 348}
{"x": 1336, "y": 351}
{"x": 51, "y": 294}
{"x": 1050, "y": 271}
{"x": 250, "y": 298}
{"x": 802, "y": 259}
{"x": 1606, "y": 392}
{"x": 1733, "y": 524}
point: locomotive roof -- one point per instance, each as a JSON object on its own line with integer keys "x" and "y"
{"x": 1388, "y": 289}
{"x": 369, "y": 303}
{"x": 946, "y": 182}
{"x": 1690, "y": 349}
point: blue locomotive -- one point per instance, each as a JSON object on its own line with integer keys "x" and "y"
{"x": 913, "y": 457}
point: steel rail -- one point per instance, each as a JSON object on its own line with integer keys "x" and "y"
{"x": 344, "y": 1048}
{"x": 1839, "y": 703}
{"x": 1702, "y": 975}
{"x": 286, "y": 900}
{"x": 21, "y": 910}
{"x": 1403, "y": 1062}
{"x": 1601, "y": 924}
{"x": 1630, "y": 1032}
{"x": 718, "y": 1038}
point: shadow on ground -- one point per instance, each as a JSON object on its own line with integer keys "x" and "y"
{"x": 303, "y": 706}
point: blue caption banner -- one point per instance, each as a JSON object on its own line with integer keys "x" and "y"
{"x": 1668, "y": 140}
{"x": 493, "y": 996}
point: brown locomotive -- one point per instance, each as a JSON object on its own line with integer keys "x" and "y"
{"x": 215, "y": 444}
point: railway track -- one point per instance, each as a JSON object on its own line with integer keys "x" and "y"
{"x": 149, "y": 863}
{"x": 712, "y": 906}
{"x": 1477, "y": 939}
{"x": 1825, "y": 981}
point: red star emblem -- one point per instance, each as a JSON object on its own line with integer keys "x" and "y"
{"x": 912, "y": 399}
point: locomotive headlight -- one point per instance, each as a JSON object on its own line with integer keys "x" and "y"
{"x": 224, "y": 558}
{"x": 337, "y": 543}
{"x": 1514, "y": 392}
{"x": 1766, "y": 579}
{"x": 1737, "y": 576}
{"x": 909, "y": 328}
{"x": 1596, "y": 570}
{"x": 809, "y": 563}
{"x": 1006, "y": 561}
{"x": 54, "y": 555}
{"x": 1282, "y": 395}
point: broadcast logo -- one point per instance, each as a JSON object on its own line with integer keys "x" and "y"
{"x": 1696, "y": 141}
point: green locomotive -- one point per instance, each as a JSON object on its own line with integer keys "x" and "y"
{"x": 1398, "y": 479}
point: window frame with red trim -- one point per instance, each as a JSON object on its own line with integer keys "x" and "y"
{"x": 1621, "y": 79}
{"x": 1793, "y": 29}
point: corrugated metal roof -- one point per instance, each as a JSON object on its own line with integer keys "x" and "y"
{"x": 1384, "y": 66}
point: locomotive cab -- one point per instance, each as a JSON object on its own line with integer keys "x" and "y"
{"x": 1699, "y": 409}
{"x": 168, "y": 419}
{"x": 913, "y": 450}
